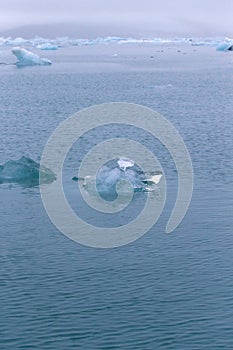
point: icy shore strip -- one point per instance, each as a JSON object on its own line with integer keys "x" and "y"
{"x": 54, "y": 44}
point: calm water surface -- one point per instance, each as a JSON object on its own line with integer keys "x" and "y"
{"x": 162, "y": 291}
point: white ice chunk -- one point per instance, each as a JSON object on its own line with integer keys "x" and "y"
{"x": 155, "y": 178}
{"x": 125, "y": 163}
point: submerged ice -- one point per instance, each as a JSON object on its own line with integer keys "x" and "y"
{"x": 121, "y": 175}
{"x": 28, "y": 58}
{"x": 25, "y": 171}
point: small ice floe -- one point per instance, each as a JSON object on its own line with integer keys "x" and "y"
{"x": 125, "y": 163}
{"x": 28, "y": 58}
{"x": 159, "y": 86}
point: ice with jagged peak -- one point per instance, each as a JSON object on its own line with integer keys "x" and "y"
{"x": 28, "y": 58}
{"x": 121, "y": 174}
{"x": 25, "y": 171}
{"x": 225, "y": 46}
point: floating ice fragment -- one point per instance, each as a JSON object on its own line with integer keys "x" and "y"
{"x": 125, "y": 163}
{"x": 154, "y": 179}
{"x": 28, "y": 58}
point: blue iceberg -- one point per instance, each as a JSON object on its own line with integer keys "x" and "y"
{"x": 120, "y": 175}
{"x": 25, "y": 171}
{"x": 226, "y": 46}
{"x": 28, "y": 58}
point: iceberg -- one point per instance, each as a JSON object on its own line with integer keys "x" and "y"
{"x": 120, "y": 175}
{"x": 28, "y": 58}
{"x": 226, "y": 46}
{"x": 25, "y": 171}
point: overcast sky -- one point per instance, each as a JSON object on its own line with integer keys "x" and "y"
{"x": 144, "y": 17}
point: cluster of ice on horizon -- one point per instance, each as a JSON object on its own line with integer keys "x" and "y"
{"x": 25, "y": 171}
{"x": 28, "y": 58}
{"x": 47, "y": 46}
{"x": 52, "y": 44}
{"x": 122, "y": 174}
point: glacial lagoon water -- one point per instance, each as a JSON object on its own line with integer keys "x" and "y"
{"x": 162, "y": 291}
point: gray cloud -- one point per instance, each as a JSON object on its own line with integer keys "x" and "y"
{"x": 178, "y": 17}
